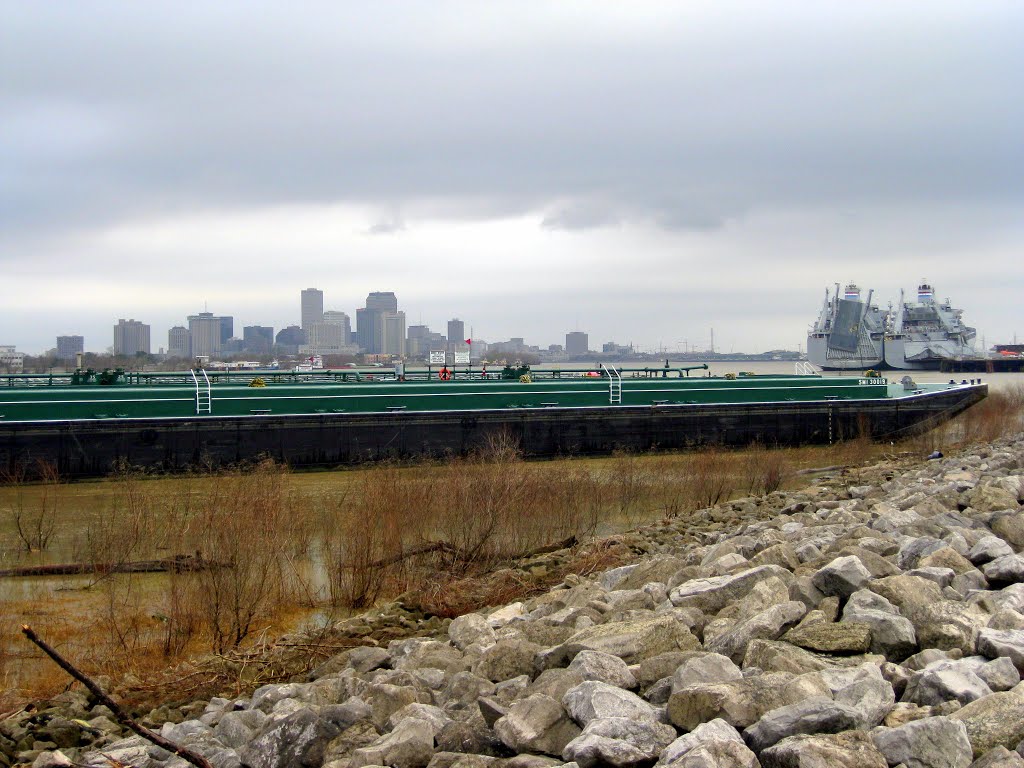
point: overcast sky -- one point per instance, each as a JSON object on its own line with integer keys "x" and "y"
{"x": 644, "y": 172}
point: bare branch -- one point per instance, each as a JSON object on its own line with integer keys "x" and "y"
{"x": 122, "y": 717}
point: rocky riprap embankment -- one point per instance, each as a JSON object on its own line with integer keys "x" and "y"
{"x": 877, "y": 620}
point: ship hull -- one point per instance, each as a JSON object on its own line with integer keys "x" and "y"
{"x": 931, "y": 356}
{"x": 92, "y": 448}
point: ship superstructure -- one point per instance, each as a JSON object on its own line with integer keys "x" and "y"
{"x": 849, "y": 332}
{"x": 926, "y": 332}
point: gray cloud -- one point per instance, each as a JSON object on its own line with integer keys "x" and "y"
{"x": 162, "y": 106}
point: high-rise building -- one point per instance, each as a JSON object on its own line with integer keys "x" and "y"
{"x": 179, "y": 342}
{"x": 456, "y": 331}
{"x": 393, "y": 339}
{"x": 289, "y": 339}
{"x": 342, "y": 319}
{"x": 312, "y": 307}
{"x": 370, "y": 323}
{"x": 385, "y": 301}
{"x": 258, "y": 339}
{"x": 131, "y": 337}
{"x": 207, "y": 332}
{"x": 323, "y": 338}
{"x": 69, "y": 346}
{"x": 227, "y": 328}
{"x": 577, "y": 343}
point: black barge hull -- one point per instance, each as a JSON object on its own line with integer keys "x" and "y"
{"x": 92, "y": 448}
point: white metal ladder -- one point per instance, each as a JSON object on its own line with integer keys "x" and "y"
{"x": 614, "y": 385}
{"x": 204, "y": 399}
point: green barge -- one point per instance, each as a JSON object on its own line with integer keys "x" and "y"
{"x": 85, "y": 421}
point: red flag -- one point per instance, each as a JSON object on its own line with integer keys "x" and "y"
{"x": 469, "y": 341}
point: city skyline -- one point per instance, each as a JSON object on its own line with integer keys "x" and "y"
{"x": 179, "y": 336}
{"x": 644, "y": 172}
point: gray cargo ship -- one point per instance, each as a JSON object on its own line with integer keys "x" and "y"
{"x": 925, "y": 333}
{"x": 851, "y": 334}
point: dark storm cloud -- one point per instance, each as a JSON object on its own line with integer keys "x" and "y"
{"x": 685, "y": 117}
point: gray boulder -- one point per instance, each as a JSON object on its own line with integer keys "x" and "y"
{"x": 994, "y": 720}
{"x": 594, "y": 700}
{"x": 871, "y": 697}
{"x": 850, "y": 749}
{"x": 740, "y": 702}
{"x": 704, "y": 669}
{"x": 632, "y": 640}
{"x": 299, "y": 739}
{"x": 990, "y": 498}
{"x": 841, "y": 638}
{"x": 433, "y": 716}
{"x": 947, "y": 625}
{"x": 130, "y": 751}
{"x": 385, "y": 699}
{"x": 713, "y": 730}
{"x": 817, "y": 714}
{"x": 769, "y": 624}
{"x": 1008, "y": 569}
{"x": 777, "y": 656}
{"x": 462, "y": 691}
{"x": 997, "y": 757}
{"x": 537, "y": 723}
{"x": 1000, "y": 674}
{"x": 471, "y": 629}
{"x": 841, "y": 577}
{"x": 945, "y": 681}
{"x": 409, "y": 745}
{"x": 506, "y": 659}
{"x": 619, "y": 741}
{"x": 933, "y": 742}
{"x": 987, "y": 549}
{"x": 603, "y": 667}
{"x": 713, "y": 594}
{"x": 718, "y": 754}
{"x": 892, "y": 635}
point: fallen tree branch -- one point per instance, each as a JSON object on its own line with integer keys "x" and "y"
{"x": 176, "y": 564}
{"x": 122, "y": 717}
{"x": 462, "y": 554}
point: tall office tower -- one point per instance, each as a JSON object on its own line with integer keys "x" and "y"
{"x": 416, "y": 340}
{"x": 342, "y": 319}
{"x": 456, "y": 331}
{"x": 69, "y": 346}
{"x": 131, "y": 337}
{"x": 179, "y": 342}
{"x": 289, "y": 339}
{"x": 227, "y": 328}
{"x": 207, "y": 331}
{"x": 370, "y": 325}
{"x": 385, "y": 301}
{"x": 393, "y": 339}
{"x": 258, "y": 339}
{"x": 363, "y": 318}
{"x": 577, "y": 343}
{"x": 324, "y": 338}
{"x": 312, "y": 307}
